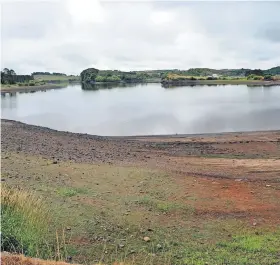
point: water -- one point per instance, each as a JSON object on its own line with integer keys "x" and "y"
{"x": 145, "y": 109}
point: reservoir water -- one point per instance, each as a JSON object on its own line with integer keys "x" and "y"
{"x": 145, "y": 109}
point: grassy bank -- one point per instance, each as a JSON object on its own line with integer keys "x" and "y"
{"x": 27, "y": 226}
{"x": 116, "y": 213}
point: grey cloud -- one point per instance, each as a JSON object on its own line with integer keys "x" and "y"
{"x": 45, "y": 36}
{"x": 28, "y": 20}
{"x": 270, "y": 33}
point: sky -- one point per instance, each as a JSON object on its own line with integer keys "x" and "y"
{"x": 71, "y": 35}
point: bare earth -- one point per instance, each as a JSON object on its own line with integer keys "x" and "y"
{"x": 189, "y": 183}
{"x": 246, "y": 163}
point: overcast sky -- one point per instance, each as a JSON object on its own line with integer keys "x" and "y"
{"x": 71, "y": 35}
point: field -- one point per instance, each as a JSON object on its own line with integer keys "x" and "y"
{"x": 209, "y": 199}
{"x": 56, "y": 78}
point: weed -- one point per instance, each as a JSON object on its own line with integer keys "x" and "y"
{"x": 25, "y": 225}
{"x": 69, "y": 192}
{"x": 24, "y": 221}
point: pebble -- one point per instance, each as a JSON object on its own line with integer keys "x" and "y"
{"x": 146, "y": 239}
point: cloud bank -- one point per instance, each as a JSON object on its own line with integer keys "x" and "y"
{"x": 71, "y": 35}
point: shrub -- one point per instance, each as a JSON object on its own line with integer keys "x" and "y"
{"x": 254, "y": 77}
{"x": 24, "y": 222}
{"x": 268, "y": 77}
{"x": 31, "y": 83}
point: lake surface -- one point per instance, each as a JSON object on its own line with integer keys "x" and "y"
{"x": 145, "y": 109}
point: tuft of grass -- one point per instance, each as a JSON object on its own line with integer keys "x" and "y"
{"x": 25, "y": 221}
{"x": 164, "y": 206}
{"x": 249, "y": 249}
{"x": 70, "y": 192}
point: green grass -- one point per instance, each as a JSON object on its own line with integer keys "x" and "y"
{"x": 163, "y": 205}
{"x": 28, "y": 227}
{"x": 25, "y": 221}
{"x": 55, "y": 77}
{"x": 69, "y": 192}
{"x": 248, "y": 249}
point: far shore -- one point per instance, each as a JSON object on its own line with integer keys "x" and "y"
{"x": 14, "y": 89}
{"x": 221, "y": 82}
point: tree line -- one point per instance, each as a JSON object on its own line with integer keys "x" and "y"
{"x": 47, "y": 73}
{"x": 9, "y": 76}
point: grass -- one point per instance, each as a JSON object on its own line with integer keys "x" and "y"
{"x": 25, "y": 221}
{"x": 110, "y": 209}
{"x": 163, "y": 205}
{"x": 56, "y": 78}
{"x": 250, "y": 249}
{"x": 25, "y": 226}
{"x": 69, "y": 192}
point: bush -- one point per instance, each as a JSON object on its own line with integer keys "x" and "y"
{"x": 268, "y": 77}
{"x": 254, "y": 77}
{"x": 24, "y": 226}
{"x": 31, "y": 83}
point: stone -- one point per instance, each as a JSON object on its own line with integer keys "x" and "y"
{"x": 146, "y": 239}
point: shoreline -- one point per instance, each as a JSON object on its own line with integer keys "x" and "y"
{"x": 11, "y": 90}
{"x": 164, "y": 152}
{"x": 139, "y": 137}
{"x": 220, "y": 82}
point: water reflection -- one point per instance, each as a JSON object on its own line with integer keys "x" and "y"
{"x": 148, "y": 108}
{"x": 97, "y": 86}
{"x": 8, "y": 101}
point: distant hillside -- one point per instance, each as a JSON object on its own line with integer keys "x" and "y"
{"x": 273, "y": 71}
{"x": 96, "y": 75}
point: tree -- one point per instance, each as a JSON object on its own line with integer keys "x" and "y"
{"x": 6, "y": 71}
{"x": 89, "y": 74}
{"x": 12, "y": 72}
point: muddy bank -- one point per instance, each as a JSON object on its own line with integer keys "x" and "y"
{"x": 23, "y": 89}
{"x": 259, "y": 152}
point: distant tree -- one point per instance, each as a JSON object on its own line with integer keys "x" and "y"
{"x": 6, "y": 71}
{"x": 12, "y": 72}
{"x": 258, "y": 72}
{"x": 89, "y": 74}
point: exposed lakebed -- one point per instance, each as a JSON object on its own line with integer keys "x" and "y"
{"x": 147, "y": 109}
